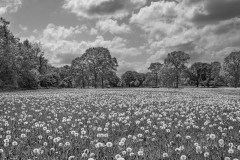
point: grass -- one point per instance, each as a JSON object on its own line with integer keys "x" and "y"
{"x": 148, "y": 124}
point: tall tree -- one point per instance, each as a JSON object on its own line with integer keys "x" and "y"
{"x": 231, "y": 65}
{"x": 177, "y": 59}
{"x": 128, "y": 77}
{"x": 99, "y": 61}
{"x": 154, "y": 68}
{"x": 215, "y": 71}
{"x": 8, "y": 52}
{"x": 79, "y": 68}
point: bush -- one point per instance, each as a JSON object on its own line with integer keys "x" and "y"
{"x": 28, "y": 80}
{"x": 50, "y": 80}
{"x": 67, "y": 82}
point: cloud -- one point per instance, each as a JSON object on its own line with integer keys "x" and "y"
{"x": 35, "y": 31}
{"x": 60, "y": 32}
{"x": 24, "y": 28}
{"x": 109, "y": 25}
{"x": 63, "y": 51}
{"x": 131, "y": 66}
{"x": 61, "y": 47}
{"x": 217, "y": 10}
{"x": 103, "y": 8}
{"x": 93, "y": 31}
{"x": 9, "y": 6}
{"x": 199, "y": 28}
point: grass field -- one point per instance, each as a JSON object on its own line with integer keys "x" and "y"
{"x": 149, "y": 124}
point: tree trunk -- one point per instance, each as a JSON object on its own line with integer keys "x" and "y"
{"x": 102, "y": 82}
{"x": 156, "y": 80}
{"x": 95, "y": 80}
{"x": 236, "y": 82}
{"x": 15, "y": 80}
{"x": 83, "y": 84}
{"x": 177, "y": 80}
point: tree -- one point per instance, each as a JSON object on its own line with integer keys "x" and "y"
{"x": 112, "y": 78}
{"x": 155, "y": 67}
{"x": 215, "y": 72}
{"x": 128, "y": 77}
{"x": 100, "y": 62}
{"x": 177, "y": 59}
{"x": 8, "y": 54}
{"x": 231, "y": 65}
{"x": 79, "y": 67}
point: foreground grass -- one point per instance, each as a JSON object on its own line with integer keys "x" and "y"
{"x": 128, "y": 124}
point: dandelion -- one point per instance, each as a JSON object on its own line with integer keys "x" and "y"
{"x": 84, "y": 155}
{"x": 92, "y": 155}
{"x": 183, "y": 157}
{"x": 212, "y": 136}
{"x": 23, "y": 136}
{"x": 67, "y": 143}
{"x": 230, "y": 151}
{"x": 238, "y": 147}
{"x": 14, "y": 143}
{"x": 131, "y": 154}
{"x": 165, "y": 155}
{"x": 139, "y": 135}
{"x": 6, "y": 140}
{"x": 71, "y": 157}
{"x": 129, "y": 149}
{"x": 124, "y": 152}
{"x": 140, "y": 153}
{"x": 109, "y": 144}
{"x": 8, "y": 137}
{"x": 206, "y": 154}
{"x": 198, "y": 149}
{"x": 121, "y": 143}
{"x": 117, "y": 156}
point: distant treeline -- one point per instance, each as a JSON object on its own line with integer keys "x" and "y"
{"x": 23, "y": 66}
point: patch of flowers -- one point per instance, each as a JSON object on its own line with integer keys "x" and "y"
{"x": 122, "y": 124}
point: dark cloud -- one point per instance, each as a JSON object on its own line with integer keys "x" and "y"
{"x": 218, "y": 10}
{"x": 189, "y": 46}
{"x": 107, "y": 7}
{"x": 232, "y": 25}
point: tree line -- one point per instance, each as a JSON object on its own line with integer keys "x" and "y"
{"x": 23, "y": 65}
{"x": 174, "y": 71}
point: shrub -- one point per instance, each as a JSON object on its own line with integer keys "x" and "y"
{"x": 67, "y": 82}
{"x": 28, "y": 80}
{"x": 50, "y": 80}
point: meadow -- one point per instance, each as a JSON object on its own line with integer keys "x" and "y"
{"x": 120, "y": 124}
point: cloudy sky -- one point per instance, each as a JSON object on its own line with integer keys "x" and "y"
{"x": 137, "y": 32}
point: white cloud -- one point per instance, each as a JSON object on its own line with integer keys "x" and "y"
{"x": 93, "y": 31}
{"x": 60, "y": 32}
{"x": 173, "y": 25}
{"x": 109, "y": 25}
{"x": 103, "y": 8}
{"x": 131, "y": 66}
{"x": 61, "y": 49}
{"x": 35, "y": 31}
{"x": 9, "y": 6}
{"x": 24, "y": 28}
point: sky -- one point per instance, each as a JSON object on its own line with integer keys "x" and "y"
{"x": 136, "y": 32}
